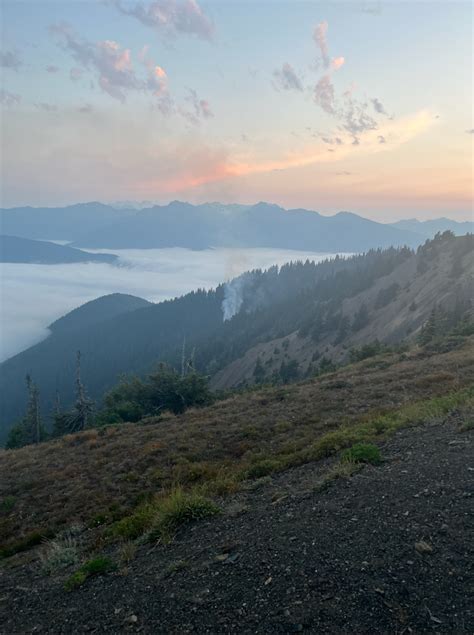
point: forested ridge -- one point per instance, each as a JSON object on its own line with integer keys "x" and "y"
{"x": 301, "y": 297}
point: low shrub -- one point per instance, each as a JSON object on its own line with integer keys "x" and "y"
{"x": 164, "y": 515}
{"x": 134, "y": 525}
{"x": 59, "y": 553}
{"x": 180, "y": 508}
{"x": 362, "y": 453}
{"x": 97, "y": 566}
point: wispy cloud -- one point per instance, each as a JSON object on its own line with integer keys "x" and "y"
{"x": 75, "y": 74}
{"x": 286, "y": 78}
{"x": 171, "y": 17}
{"x": 11, "y": 60}
{"x": 46, "y": 107}
{"x": 324, "y": 95}
{"x": 52, "y": 69}
{"x": 112, "y": 66}
{"x": 471, "y": 131}
{"x": 354, "y": 116}
{"x": 197, "y": 109}
{"x": 371, "y": 8}
{"x": 378, "y": 106}
{"x": 320, "y": 37}
{"x": 332, "y": 140}
{"x": 393, "y": 132}
{"x": 9, "y": 99}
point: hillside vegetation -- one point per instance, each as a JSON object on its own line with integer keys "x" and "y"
{"x": 283, "y": 324}
{"x": 100, "y": 476}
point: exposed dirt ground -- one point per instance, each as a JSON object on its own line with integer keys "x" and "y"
{"x": 287, "y": 557}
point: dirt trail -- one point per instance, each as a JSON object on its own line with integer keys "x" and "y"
{"x": 286, "y": 558}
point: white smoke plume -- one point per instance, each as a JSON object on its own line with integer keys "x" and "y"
{"x": 233, "y": 298}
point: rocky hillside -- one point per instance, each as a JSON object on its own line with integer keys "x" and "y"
{"x": 335, "y": 505}
{"x": 394, "y": 308}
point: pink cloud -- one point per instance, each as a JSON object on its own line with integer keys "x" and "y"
{"x": 112, "y": 65}
{"x": 319, "y": 36}
{"x": 336, "y": 63}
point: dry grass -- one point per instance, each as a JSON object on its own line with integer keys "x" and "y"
{"x": 100, "y": 476}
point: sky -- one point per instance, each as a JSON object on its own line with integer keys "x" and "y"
{"x": 363, "y": 106}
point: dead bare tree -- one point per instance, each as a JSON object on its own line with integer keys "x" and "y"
{"x": 83, "y": 406}
{"x": 32, "y": 422}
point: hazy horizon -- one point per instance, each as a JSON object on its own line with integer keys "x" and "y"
{"x": 457, "y": 216}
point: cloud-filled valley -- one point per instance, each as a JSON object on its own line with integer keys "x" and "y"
{"x": 33, "y": 296}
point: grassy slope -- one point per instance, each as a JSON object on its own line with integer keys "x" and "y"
{"x": 101, "y": 475}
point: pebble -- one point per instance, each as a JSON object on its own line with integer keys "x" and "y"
{"x": 423, "y": 547}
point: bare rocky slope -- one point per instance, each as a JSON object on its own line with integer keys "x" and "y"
{"x": 401, "y": 318}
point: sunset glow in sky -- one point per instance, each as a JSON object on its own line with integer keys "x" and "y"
{"x": 362, "y": 106}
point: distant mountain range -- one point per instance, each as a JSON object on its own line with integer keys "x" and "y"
{"x": 58, "y": 223}
{"x": 23, "y": 250}
{"x": 299, "y": 313}
{"x": 429, "y": 228}
{"x": 179, "y": 224}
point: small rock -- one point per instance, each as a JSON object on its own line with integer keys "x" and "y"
{"x": 423, "y": 547}
{"x": 232, "y": 558}
{"x": 268, "y": 580}
{"x": 132, "y": 619}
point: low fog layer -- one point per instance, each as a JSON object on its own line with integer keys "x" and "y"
{"x": 33, "y": 296}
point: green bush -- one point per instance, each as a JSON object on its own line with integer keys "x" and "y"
{"x": 97, "y": 566}
{"x": 134, "y": 399}
{"x": 362, "y": 453}
{"x": 135, "y": 525}
{"x": 180, "y": 508}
